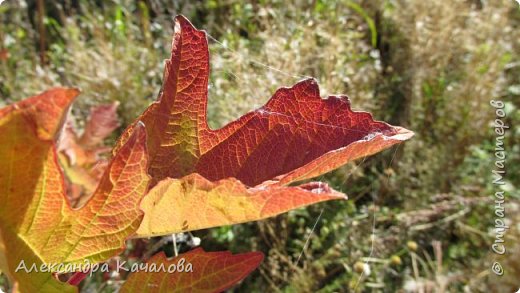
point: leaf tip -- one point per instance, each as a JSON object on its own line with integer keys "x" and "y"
{"x": 182, "y": 22}
{"x": 257, "y": 257}
{"x": 321, "y": 188}
{"x": 403, "y": 133}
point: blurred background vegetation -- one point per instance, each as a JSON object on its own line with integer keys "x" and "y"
{"x": 420, "y": 216}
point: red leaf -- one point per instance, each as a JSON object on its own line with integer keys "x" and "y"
{"x": 101, "y": 123}
{"x": 212, "y": 272}
{"x": 296, "y": 135}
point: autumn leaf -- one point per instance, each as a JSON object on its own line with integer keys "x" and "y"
{"x": 80, "y": 156}
{"x": 211, "y": 272}
{"x": 4, "y": 55}
{"x": 297, "y": 135}
{"x": 224, "y": 202}
{"x": 201, "y": 177}
{"x": 84, "y": 150}
{"x": 101, "y": 123}
{"x": 37, "y": 224}
{"x": 47, "y": 111}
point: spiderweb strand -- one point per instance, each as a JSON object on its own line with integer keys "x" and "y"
{"x": 373, "y": 234}
{"x": 297, "y": 76}
{"x": 309, "y": 237}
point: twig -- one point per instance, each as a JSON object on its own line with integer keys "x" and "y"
{"x": 155, "y": 247}
{"x": 41, "y": 30}
{"x": 447, "y": 219}
{"x": 175, "y": 251}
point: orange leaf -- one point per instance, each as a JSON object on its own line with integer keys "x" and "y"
{"x": 80, "y": 156}
{"x": 193, "y": 203}
{"x": 46, "y": 110}
{"x": 37, "y": 224}
{"x": 211, "y": 272}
